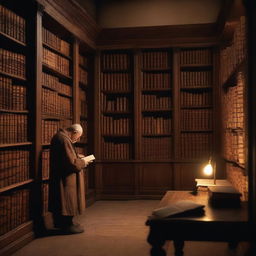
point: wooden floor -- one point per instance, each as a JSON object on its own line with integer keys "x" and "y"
{"x": 116, "y": 228}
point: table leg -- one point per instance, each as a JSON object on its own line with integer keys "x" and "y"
{"x": 157, "y": 241}
{"x": 178, "y": 247}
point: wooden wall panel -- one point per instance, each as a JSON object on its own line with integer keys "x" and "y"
{"x": 185, "y": 175}
{"x": 155, "y": 178}
{"x": 118, "y": 178}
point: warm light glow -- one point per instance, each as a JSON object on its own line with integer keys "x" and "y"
{"x": 208, "y": 170}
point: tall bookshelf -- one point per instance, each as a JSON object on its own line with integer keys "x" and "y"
{"x": 116, "y": 99}
{"x": 56, "y": 92}
{"x": 196, "y": 103}
{"x": 233, "y": 79}
{"x": 85, "y": 146}
{"x": 16, "y": 176}
{"x": 156, "y": 104}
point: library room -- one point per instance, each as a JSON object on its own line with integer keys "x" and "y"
{"x": 127, "y": 127}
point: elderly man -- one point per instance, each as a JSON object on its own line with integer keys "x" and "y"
{"x": 66, "y": 188}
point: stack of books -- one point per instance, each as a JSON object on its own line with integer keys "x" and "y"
{"x": 224, "y": 196}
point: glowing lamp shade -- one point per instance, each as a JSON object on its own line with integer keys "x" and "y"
{"x": 208, "y": 169}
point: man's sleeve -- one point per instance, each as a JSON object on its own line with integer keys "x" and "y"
{"x": 72, "y": 163}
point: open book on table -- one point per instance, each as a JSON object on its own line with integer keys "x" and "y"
{"x": 180, "y": 209}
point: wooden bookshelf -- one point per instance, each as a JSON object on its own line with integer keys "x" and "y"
{"x": 15, "y": 141}
{"x": 196, "y": 103}
{"x": 233, "y": 79}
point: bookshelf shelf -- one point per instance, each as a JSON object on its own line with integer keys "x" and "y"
{"x": 197, "y": 131}
{"x": 54, "y": 90}
{"x": 116, "y": 92}
{"x": 156, "y": 70}
{"x": 196, "y": 107}
{"x": 231, "y": 80}
{"x": 116, "y": 113}
{"x": 156, "y": 110}
{"x": 192, "y": 88}
{"x": 83, "y": 67}
{"x": 199, "y": 66}
{"x": 148, "y": 90}
{"x": 117, "y": 135}
{"x": 235, "y": 163}
{"x": 55, "y": 72}
{"x": 46, "y": 116}
{"x": 115, "y": 71}
{"x": 12, "y": 76}
{"x": 46, "y": 144}
{"x": 157, "y": 135}
{"x": 56, "y": 51}
{"x": 19, "y": 184}
{"x": 83, "y": 86}
{"x": 17, "y": 42}
{"x": 15, "y": 144}
{"x": 14, "y": 111}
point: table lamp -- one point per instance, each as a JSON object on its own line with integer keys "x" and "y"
{"x": 210, "y": 169}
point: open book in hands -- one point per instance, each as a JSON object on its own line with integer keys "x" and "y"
{"x": 88, "y": 158}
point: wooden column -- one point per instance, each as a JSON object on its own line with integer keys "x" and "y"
{"x": 76, "y": 108}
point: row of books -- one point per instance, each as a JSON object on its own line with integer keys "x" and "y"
{"x": 115, "y": 125}
{"x": 234, "y": 147}
{"x": 45, "y": 163}
{"x": 156, "y": 101}
{"x": 55, "y": 104}
{"x": 196, "y": 78}
{"x": 233, "y": 105}
{"x": 156, "y": 80}
{"x": 237, "y": 178}
{"x": 54, "y": 83}
{"x": 50, "y": 127}
{"x": 84, "y": 125}
{"x": 115, "y": 61}
{"x": 12, "y": 24}
{"x": 45, "y": 198}
{"x": 83, "y": 107}
{"x": 196, "y": 145}
{"x": 13, "y": 128}
{"x": 14, "y": 209}
{"x": 195, "y": 98}
{"x": 83, "y": 76}
{"x": 12, "y": 63}
{"x": 116, "y": 81}
{"x": 232, "y": 56}
{"x": 199, "y": 56}
{"x": 156, "y": 148}
{"x": 156, "y": 125}
{"x": 83, "y": 61}
{"x": 115, "y": 103}
{"x": 12, "y": 96}
{"x": 116, "y": 150}
{"x": 56, "y": 42}
{"x": 14, "y": 166}
{"x": 156, "y": 59}
{"x": 56, "y": 62}
{"x": 197, "y": 119}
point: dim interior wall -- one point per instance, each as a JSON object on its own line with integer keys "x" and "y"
{"x": 136, "y": 13}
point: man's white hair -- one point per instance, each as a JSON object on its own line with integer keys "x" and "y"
{"x": 76, "y": 128}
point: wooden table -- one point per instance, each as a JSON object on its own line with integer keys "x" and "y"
{"x": 218, "y": 224}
